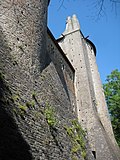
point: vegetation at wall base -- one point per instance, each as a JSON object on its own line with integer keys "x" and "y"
{"x": 50, "y": 115}
{"x": 77, "y": 137}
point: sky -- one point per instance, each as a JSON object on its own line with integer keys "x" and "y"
{"x": 103, "y": 30}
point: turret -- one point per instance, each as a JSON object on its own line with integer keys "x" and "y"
{"x": 72, "y": 25}
{"x": 91, "y": 106}
{"x": 24, "y": 25}
{"x": 72, "y": 45}
{"x": 100, "y": 102}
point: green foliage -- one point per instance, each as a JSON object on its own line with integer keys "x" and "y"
{"x": 15, "y": 98}
{"x": 22, "y": 108}
{"x": 74, "y": 158}
{"x": 33, "y": 94}
{"x": 83, "y": 153}
{"x": 2, "y": 76}
{"x": 50, "y": 115}
{"x": 112, "y": 94}
{"x": 76, "y": 135}
{"x": 30, "y": 104}
{"x": 78, "y": 127}
{"x": 75, "y": 148}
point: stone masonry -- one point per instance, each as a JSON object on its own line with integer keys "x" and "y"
{"x": 49, "y": 102}
{"x": 90, "y": 99}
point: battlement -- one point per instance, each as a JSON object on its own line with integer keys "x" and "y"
{"x": 72, "y": 25}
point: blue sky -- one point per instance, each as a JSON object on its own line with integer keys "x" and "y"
{"x": 103, "y": 32}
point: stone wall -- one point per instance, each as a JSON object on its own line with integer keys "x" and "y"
{"x": 101, "y": 109}
{"x": 41, "y": 93}
{"x": 37, "y": 114}
{"x": 64, "y": 68}
{"x": 74, "y": 49}
{"x": 88, "y": 90}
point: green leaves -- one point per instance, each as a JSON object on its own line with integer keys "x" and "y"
{"x": 50, "y": 115}
{"x": 112, "y": 94}
{"x": 77, "y": 137}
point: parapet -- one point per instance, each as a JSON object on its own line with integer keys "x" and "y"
{"x": 72, "y": 24}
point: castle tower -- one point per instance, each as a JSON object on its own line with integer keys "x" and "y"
{"x": 72, "y": 45}
{"x": 91, "y": 106}
{"x": 100, "y": 102}
{"x": 24, "y": 25}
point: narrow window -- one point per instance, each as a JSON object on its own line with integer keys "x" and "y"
{"x": 63, "y": 67}
{"x": 94, "y": 154}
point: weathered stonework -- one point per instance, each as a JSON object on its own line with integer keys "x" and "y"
{"x": 40, "y": 92}
{"x": 90, "y": 100}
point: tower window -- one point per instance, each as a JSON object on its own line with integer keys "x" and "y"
{"x": 94, "y": 154}
{"x": 63, "y": 67}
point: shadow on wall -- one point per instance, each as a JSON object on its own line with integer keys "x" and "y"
{"x": 12, "y": 144}
{"x": 54, "y": 52}
{"x": 62, "y": 78}
{"x": 48, "y": 60}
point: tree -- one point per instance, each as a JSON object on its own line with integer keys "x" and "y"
{"x": 99, "y": 6}
{"x": 112, "y": 93}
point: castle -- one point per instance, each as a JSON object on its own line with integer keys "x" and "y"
{"x": 49, "y": 90}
